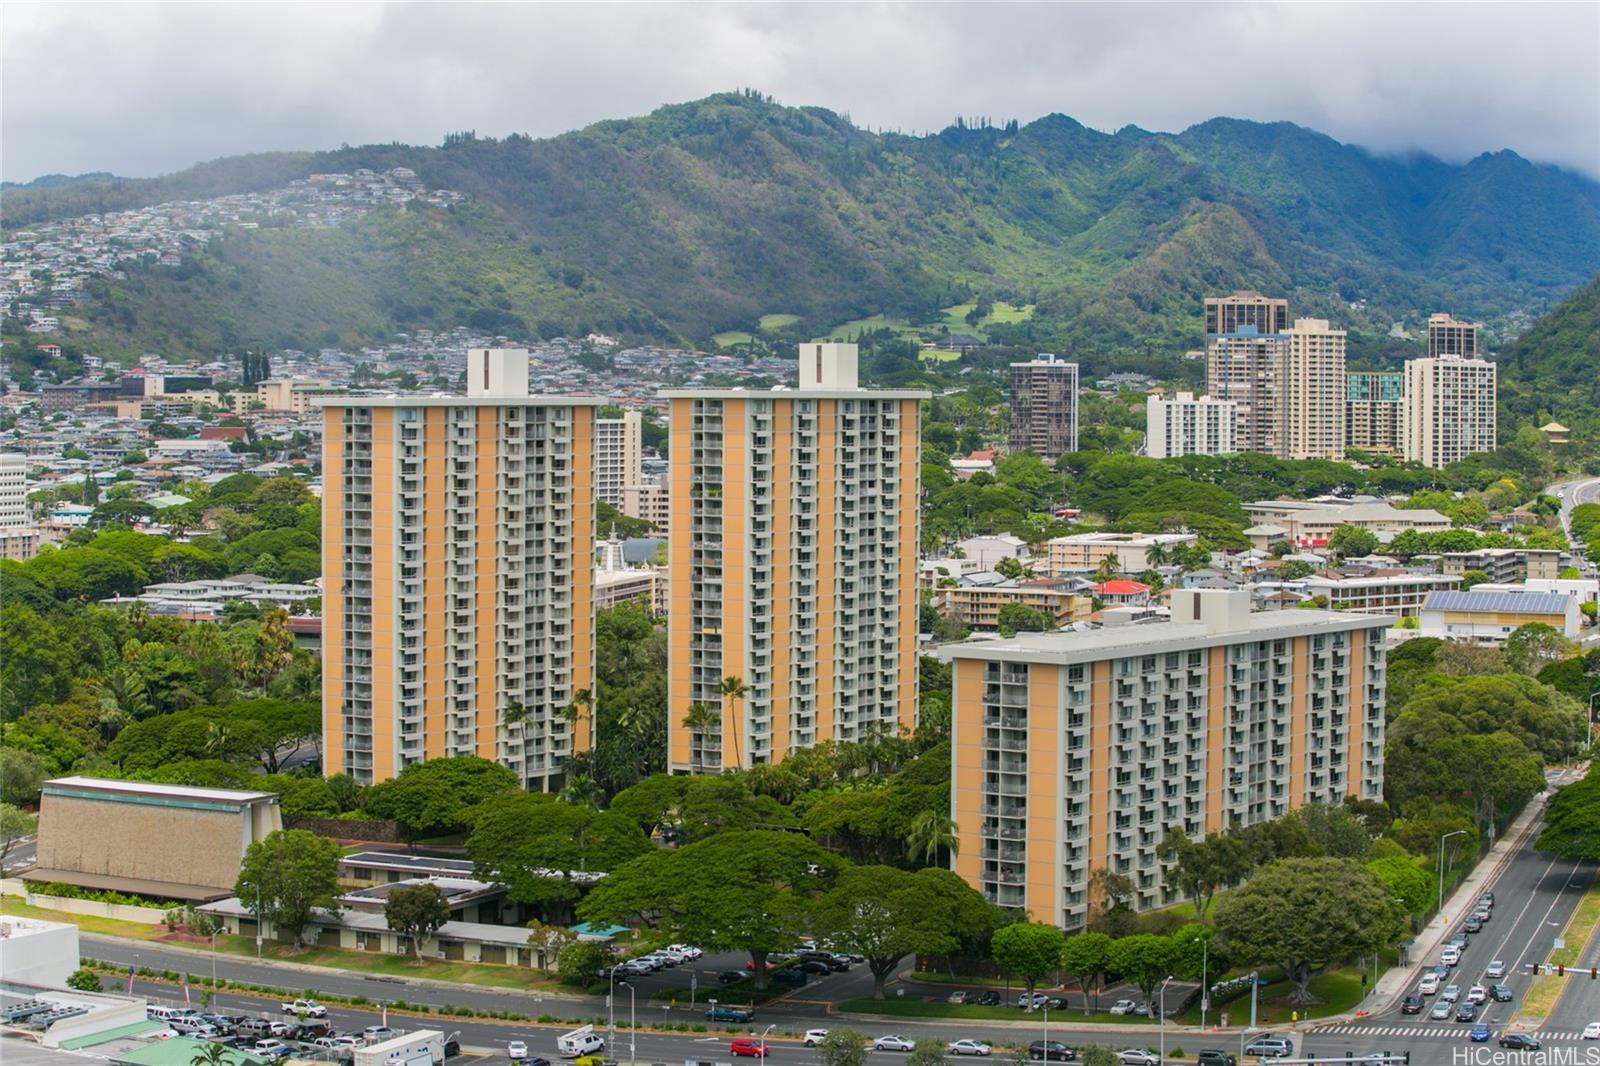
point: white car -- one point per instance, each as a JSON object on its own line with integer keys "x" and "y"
{"x": 1592, "y": 1031}
{"x": 1032, "y": 1002}
{"x": 815, "y": 1037}
{"x": 1441, "y": 1012}
{"x": 1477, "y": 994}
{"x": 517, "y": 1049}
{"x": 1138, "y": 1056}
{"x": 1429, "y": 985}
{"x": 892, "y": 1043}
{"x": 1496, "y": 970}
{"x": 1124, "y": 1006}
{"x": 1450, "y": 994}
{"x": 966, "y": 1047}
{"x": 310, "y": 1008}
{"x": 688, "y": 951}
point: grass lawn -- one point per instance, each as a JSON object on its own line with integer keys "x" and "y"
{"x": 849, "y": 331}
{"x": 774, "y": 322}
{"x": 1006, "y": 314}
{"x": 332, "y": 958}
{"x": 732, "y": 337}
{"x": 935, "y": 355}
{"x": 1547, "y": 988}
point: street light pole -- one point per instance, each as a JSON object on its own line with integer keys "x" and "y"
{"x": 1453, "y": 833}
{"x": 633, "y": 1027}
{"x": 1161, "y": 1006}
{"x": 1205, "y": 979}
{"x": 764, "y": 1033}
{"x": 611, "y": 1009}
{"x": 1046, "y": 1056}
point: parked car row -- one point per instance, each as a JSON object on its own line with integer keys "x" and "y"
{"x": 660, "y": 959}
{"x": 270, "y": 1037}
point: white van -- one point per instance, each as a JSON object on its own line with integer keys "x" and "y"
{"x": 1429, "y": 985}
{"x": 164, "y": 1014}
{"x": 583, "y": 1041}
{"x": 1450, "y": 956}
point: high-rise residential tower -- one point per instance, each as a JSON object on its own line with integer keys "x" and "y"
{"x": 616, "y": 456}
{"x": 1246, "y": 368}
{"x": 1075, "y": 753}
{"x": 1043, "y": 398}
{"x": 457, "y": 558}
{"x": 1184, "y": 424}
{"x": 13, "y": 490}
{"x": 1314, "y": 392}
{"x": 792, "y": 565}
{"x": 1449, "y": 409}
{"x": 1372, "y": 410}
{"x": 1448, "y": 337}
{"x": 1228, "y": 314}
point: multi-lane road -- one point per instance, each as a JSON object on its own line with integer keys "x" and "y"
{"x": 1535, "y": 896}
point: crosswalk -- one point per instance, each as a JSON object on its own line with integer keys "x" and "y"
{"x": 1455, "y": 1033}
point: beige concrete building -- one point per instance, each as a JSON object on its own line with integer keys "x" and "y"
{"x": 616, "y": 456}
{"x": 647, "y": 501}
{"x": 167, "y": 841}
{"x": 1076, "y": 752}
{"x": 793, "y": 563}
{"x": 1385, "y": 594}
{"x": 458, "y": 577}
{"x": 1447, "y": 337}
{"x": 1449, "y": 410}
{"x": 295, "y": 395}
{"x": 1308, "y": 523}
{"x": 1043, "y": 399}
{"x": 1084, "y": 552}
{"x": 1186, "y": 425}
{"x": 19, "y": 542}
{"x": 1228, "y": 314}
{"x": 1372, "y": 411}
{"x": 1314, "y": 392}
{"x": 14, "y": 490}
{"x": 979, "y": 606}
{"x": 1245, "y": 368}
{"x": 1505, "y": 564}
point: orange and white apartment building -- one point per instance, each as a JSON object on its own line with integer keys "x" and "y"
{"x": 1076, "y": 752}
{"x": 458, "y": 536}
{"x": 792, "y": 564}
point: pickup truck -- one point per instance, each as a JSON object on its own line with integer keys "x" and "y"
{"x": 308, "y": 1008}
{"x": 728, "y": 1014}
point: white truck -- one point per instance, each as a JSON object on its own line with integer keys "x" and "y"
{"x": 424, "y": 1047}
{"x": 306, "y": 1008}
{"x": 583, "y": 1041}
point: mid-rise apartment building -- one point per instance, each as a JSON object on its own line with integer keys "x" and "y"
{"x": 1183, "y": 424}
{"x": 1228, "y": 314}
{"x": 792, "y": 564}
{"x": 458, "y": 569}
{"x": 1387, "y": 594}
{"x": 295, "y": 395}
{"x": 646, "y": 501}
{"x": 979, "y": 605}
{"x": 616, "y": 456}
{"x": 1314, "y": 392}
{"x": 1245, "y": 368}
{"x": 13, "y": 490}
{"x": 1076, "y": 752}
{"x": 1506, "y": 564}
{"x": 1043, "y": 399}
{"x": 1447, "y": 337}
{"x": 1372, "y": 410}
{"x": 1449, "y": 410}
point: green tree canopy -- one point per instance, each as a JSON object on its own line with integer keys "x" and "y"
{"x": 1030, "y": 951}
{"x": 416, "y": 912}
{"x": 435, "y": 795}
{"x": 288, "y": 875}
{"x": 1572, "y": 820}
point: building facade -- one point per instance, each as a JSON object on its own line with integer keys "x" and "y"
{"x": 1133, "y": 553}
{"x": 1401, "y": 595}
{"x": 1478, "y": 617}
{"x": 1043, "y": 399}
{"x": 1264, "y": 314}
{"x": 1449, "y": 409}
{"x": 648, "y": 502}
{"x": 1076, "y": 752}
{"x": 1372, "y": 411}
{"x": 616, "y": 456}
{"x": 14, "y": 490}
{"x": 1245, "y": 368}
{"x": 792, "y": 564}
{"x": 1505, "y": 564}
{"x": 1185, "y": 425}
{"x": 1314, "y": 392}
{"x": 979, "y": 606}
{"x": 1447, "y": 337}
{"x": 458, "y": 600}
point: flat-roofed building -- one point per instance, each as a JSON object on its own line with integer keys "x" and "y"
{"x": 1246, "y": 307}
{"x": 1372, "y": 410}
{"x": 1447, "y": 337}
{"x": 979, "y": 605}
{"x": 1184, "y": 424}
{"x": 1490, "y": 617}
{"x": 1387, "y": 594}
{"x": 1084, "y": 552}
{"x": 1077, "y": 752}
{"x": 1314, "y": 392}
{"x": 647, "y": 501}
{"x": 1043, "y": 399}
{"x": 1246, "y": 368}
{"x": 792, "y": 566}
{"x": 167, "y": 841}
{"x": 458, "y": 576}
{"x": 616, "y": 456}
{"x": 1505, "y": 564}
{"x": 1308, "y": 523}
{"x": 1449, "y": 410}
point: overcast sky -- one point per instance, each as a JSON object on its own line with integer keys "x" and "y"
{"x": 141, "y": 89}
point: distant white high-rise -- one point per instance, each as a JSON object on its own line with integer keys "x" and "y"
{"x": 616, "y": 456}
{"x": 13, "y": 490}
{"x": 1184, "y": 424}
{"x": 1448, "y": 410}
{"x": 1314, "y": 392}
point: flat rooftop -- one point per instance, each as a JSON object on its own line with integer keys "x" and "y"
{"x": 100, "y": 787}
{"x": 453, "y": 400}
{"x": 795, "y": 394}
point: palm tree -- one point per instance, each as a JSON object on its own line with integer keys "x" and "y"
{"x": 698, "y": 719}
{"x": 581, "y": 791}
{"x": 931, "y": 831}
{"x": 582, "y": 703}
{"x": 211, "y": 1054}
{"x": 1156, "y": 554}
{"x": 734, "y": 690}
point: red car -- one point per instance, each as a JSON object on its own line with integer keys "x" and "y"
{"x": 754, "y": 1049}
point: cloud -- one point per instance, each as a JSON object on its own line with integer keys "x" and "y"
{"x": 141, "y": 89}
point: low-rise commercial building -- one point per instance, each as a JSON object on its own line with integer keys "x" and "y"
{"x": 1478, "y": 617}
{"x": 979, "y": 606}
{"x": 1076, "y": 752}
{"x": 1398, "y": 594}
{"x": 1308, "y": 523}
{"x": 1505, "y": 564}
{"x": 1082, "y": 552}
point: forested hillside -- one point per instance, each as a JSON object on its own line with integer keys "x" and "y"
{"x": 703, "y": 217}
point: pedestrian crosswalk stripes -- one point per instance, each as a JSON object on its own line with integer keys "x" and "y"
{"x": 1457, "y": 1033}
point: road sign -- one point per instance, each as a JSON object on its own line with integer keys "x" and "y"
{"x": 694, "y": 982}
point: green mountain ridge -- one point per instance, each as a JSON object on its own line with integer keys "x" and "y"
{"x": 701, "y": 217}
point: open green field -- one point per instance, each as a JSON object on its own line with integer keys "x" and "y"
{"x": 849, "y": 331}
{"x": 774, "y": 322}
{"x": 732, "y": 337}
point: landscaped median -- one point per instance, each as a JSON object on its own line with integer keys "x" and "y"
{"x": 1547, "y": 988}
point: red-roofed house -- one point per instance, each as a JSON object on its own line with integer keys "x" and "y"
{"x": 1121, "y": 591}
